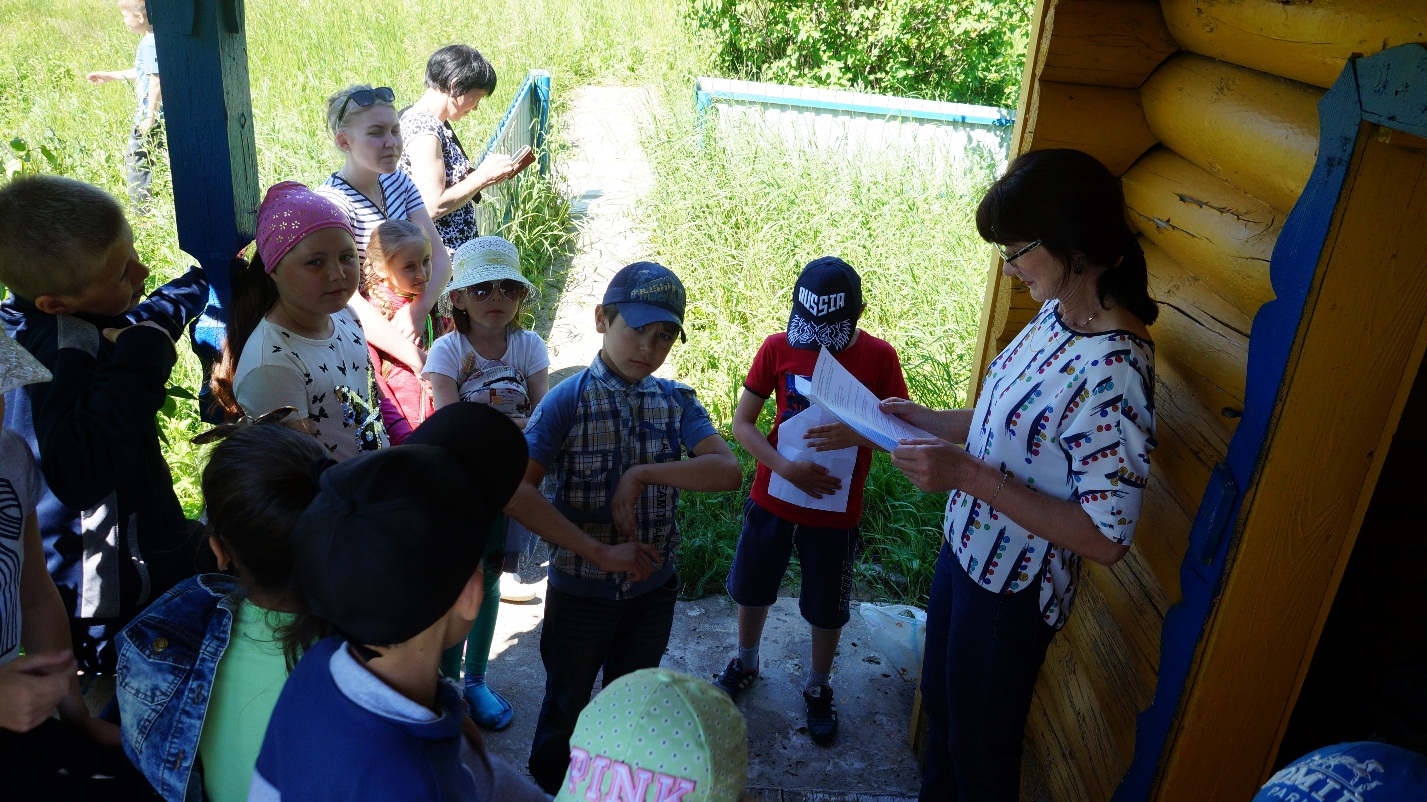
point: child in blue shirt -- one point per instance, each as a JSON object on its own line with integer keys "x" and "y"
{"x": 611, "y": 439}
{"x": 147, "y": 132}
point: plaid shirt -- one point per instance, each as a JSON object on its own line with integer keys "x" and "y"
{"x": 585, "y": 433}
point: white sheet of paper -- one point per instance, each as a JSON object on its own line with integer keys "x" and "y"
{"x": 841, "y": 394}
{"x": 839, "y": 464}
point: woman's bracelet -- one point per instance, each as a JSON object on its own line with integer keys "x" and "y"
{"x": 991, "y": 502}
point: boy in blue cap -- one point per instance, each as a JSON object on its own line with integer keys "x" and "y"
{"x": 611, "y": 438}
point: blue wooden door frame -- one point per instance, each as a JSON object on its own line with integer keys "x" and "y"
{"x": 1388, "y": 89}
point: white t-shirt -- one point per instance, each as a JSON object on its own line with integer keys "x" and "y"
{"x": 327, "y": 379}
{"x": 19, "y": 493}
{"x": 501, "y": 383}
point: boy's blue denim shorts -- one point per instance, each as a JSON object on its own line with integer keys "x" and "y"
{"x": 826, "y": 555}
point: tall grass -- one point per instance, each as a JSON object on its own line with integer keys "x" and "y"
{"x": 737, "y": 217}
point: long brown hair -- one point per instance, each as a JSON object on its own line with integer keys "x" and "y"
{"x": 386, "y": 238}
{"x": 254, "y": 293}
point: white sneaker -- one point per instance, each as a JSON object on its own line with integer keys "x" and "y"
{"x": 513, "y": 590}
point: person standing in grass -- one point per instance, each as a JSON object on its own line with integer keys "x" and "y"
{"x": 612, "y": 438}
{"x": 827, "y": 303}
{"x": 1053, "y": 470}
{"x": 458, "y": 78}
{"x": 146, "y": 136}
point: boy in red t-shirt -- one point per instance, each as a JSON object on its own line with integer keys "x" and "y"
{"x": 827, "y": 302}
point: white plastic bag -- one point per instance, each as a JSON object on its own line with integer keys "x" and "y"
{"x": 899, "y": 634}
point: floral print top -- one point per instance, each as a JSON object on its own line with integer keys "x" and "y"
{"x": 1072, "y": 416}
{"x": 460, "y": 225}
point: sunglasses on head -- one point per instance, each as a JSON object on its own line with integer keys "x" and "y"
{"x": 480, "y": 293}
{"x": 365, "y": 98}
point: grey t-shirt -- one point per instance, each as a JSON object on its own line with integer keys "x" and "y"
{"x": 19, "y": 493}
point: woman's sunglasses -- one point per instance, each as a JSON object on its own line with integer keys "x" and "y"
{"x": 365, "y": 98}
{"x": 512, "y": 290}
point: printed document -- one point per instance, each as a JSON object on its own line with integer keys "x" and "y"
{"x": 839, "y": 463}
{"x": 840, "y": 393}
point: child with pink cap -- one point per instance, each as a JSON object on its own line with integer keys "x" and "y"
{"x": 292, "y": 339}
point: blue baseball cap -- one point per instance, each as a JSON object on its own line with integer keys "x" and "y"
{"x": 647, "y": 292}
{"x": 1364, "y": 770}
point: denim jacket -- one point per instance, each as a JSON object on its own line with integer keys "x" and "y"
{"x": 168, "y": 657}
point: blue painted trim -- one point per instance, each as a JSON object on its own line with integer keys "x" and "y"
{"x": 521, "y": 96}
{"x": 988, "y": 115}
{"x": 1369, "y": 89}
{"x": 543, "y": 91}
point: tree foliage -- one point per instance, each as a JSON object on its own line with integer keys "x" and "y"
{"x": 967, "y": 51}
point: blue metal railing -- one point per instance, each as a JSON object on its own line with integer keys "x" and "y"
{"x": 526, "y": 122}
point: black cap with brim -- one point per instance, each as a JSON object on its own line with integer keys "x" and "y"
{"x": 393, "y": 536}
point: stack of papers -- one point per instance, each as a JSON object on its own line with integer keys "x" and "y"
{"x": 839, "y": 393}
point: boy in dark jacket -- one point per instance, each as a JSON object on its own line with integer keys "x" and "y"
{"x": 113, "y": 529}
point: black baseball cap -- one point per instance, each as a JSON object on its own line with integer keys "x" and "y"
{"x": 392, "y": 537}
{"x": 827, "y": 300}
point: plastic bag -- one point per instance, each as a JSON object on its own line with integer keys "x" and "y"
{"x": 899, "y": 634}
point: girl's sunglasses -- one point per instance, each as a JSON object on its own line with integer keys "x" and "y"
{"x": 512, "y": 290}
{"x": 365, "y": 98}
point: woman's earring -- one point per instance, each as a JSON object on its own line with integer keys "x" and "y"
{"x": 1079, "y": 265}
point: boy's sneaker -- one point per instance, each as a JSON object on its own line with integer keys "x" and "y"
{"x": 822, "y": 717}
{"x": 736, "y": 679}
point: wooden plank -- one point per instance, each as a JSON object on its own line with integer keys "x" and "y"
{"x": 1338, "y": 410}
{"x": 1217, "y": 232}
{"x": 1305, "y": 41}
{"x": 1106, "y": 122}
{"x": 1188, "y": 289}
{"x": 1256, "y": 131}
{"x": 1107, "y": 43}
{"x": 1212, "y": 355}
{"x": 1162, "y": 537}
{"x": 1079, "y": 761}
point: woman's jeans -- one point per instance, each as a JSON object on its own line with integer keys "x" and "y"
{"x": 984, "y": 651}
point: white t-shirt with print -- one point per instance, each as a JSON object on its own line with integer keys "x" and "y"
{"x": 501, "y": 383}
{"x": 328, "y": 380}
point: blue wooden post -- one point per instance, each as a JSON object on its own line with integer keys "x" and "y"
{"x": 208, "y": 118}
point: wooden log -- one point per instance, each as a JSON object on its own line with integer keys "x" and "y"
{"x": 1079, "y": 762}
{"x": 1256, "y": 131}
{"x": 1305, "y": 41}
{"x": 1162, "y": 537}
{"x": 1198, "y": 328}
{"x": 1106, "y": 122}
{"x": 1218, "y": 233}
{"x": 1107, "y": 43}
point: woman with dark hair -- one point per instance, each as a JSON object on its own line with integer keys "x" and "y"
{"x": 1054, "y": 467}
{"x": 458, "y": 78}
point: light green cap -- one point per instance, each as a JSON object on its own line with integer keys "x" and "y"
{"x": 658, "y": 734}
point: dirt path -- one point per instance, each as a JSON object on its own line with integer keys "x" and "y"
{"x": 607, "y": 173}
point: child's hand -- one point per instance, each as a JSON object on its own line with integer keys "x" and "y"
{"x": 112, "y": 335}
{"x": 32, "y": 686}
{"x": 626, "y": 495}
{"x": 638, "y": 559}
{"x": 102, "y": 77}
{"x": 831, "y": 437}
{"x": 811, "y": 478}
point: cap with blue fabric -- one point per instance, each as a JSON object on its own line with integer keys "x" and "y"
{"x": 1363, "y": 771}
{"x": 647, "y": 292}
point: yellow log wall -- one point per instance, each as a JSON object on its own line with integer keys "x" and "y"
{"x": 1207, "y": 109}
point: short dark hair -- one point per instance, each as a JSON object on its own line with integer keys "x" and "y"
{"x": 54, "y": 233}
{"x": 1075, "y": 207}
{"x": 459, "y": 69}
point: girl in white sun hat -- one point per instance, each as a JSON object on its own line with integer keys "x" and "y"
{"x": 491, "y": 359}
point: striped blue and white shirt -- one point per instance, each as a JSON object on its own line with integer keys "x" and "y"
{"x": 399, "y": 195}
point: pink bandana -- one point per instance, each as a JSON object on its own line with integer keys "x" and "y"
{"x": 288, "y": 214}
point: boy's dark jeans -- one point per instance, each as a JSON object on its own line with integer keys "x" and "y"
{"x": 139, "y": 164}
{"x": 582, "y": 635}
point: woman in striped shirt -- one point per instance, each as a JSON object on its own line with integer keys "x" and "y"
{"x": 369, "y": 189}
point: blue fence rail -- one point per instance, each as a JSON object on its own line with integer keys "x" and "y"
{"x": 928, "y": 131}
{"x": 526, "y": 122}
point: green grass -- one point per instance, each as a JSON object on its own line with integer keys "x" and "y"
{"x": 736, "y": 219}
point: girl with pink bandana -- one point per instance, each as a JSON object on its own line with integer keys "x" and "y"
{"x": 292, "y": 338}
